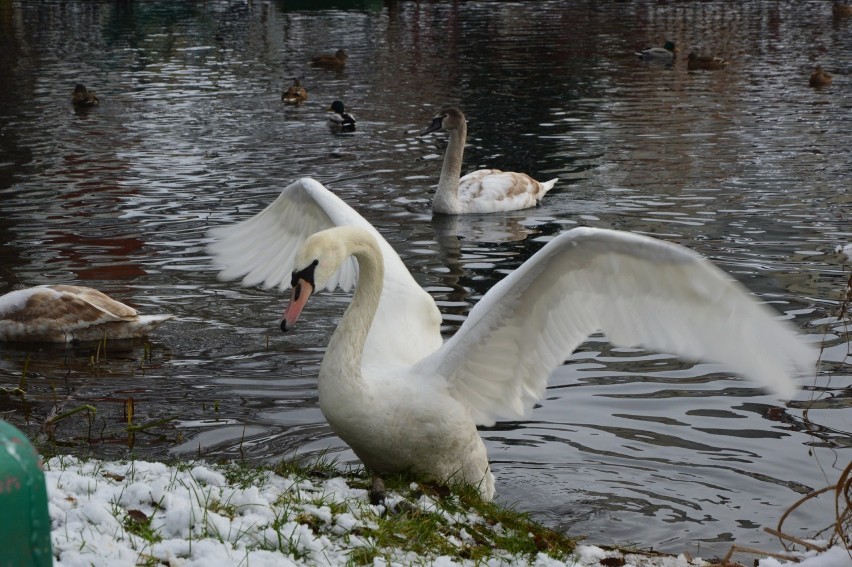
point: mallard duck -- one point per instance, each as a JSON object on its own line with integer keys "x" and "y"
{"x": 665, "y": 53}
{"x": 820, "y": 78}
{"x": 481, "y": 191}
{"x": 295, "y": 94}
{"x": 83, "y": 97}
{"x": 406, "y": 400}
{"x": 706, "y": 62}
{"x": 841, "y": 10}
{"x": 336, "y": 62}
{"x": 340, "y": 120}
{"x": 67, "y": 313}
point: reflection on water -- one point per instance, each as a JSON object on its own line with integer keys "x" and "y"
{"x": 748, "y": 166}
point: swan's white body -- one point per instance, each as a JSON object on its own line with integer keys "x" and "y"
{"x": 481, "y": 191}
{"x": 65, "y": 313}
{"x": 402, "y": 400}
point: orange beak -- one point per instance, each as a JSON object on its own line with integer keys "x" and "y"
{"x": 302, "y": 291}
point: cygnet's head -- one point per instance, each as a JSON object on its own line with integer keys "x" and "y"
{"x": 448, "y": 118}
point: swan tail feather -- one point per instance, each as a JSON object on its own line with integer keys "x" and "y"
{"x": 547, "y": 186}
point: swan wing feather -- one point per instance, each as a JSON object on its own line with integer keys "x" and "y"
{"x": 261, "y": 250}
{"x": 638, "y": 291}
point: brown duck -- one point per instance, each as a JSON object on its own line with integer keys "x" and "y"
{"x": 295, "y": 94}
{"x": 83, "y": 97}
{"x": 696, "y": 62}
{"x": 820, "y": 78}
{"x": 335, "y": 62}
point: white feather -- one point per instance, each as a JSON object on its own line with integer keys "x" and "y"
{"x": 261, "y": 250}
{"x": 638, "y": 291}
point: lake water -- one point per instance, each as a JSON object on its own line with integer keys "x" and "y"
{"x": 749, "y": 166}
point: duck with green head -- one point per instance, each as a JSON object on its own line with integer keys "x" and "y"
{"x": 340, "y": 120}
{"x": 664, "y": 54}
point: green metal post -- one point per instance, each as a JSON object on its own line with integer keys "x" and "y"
{"x": 24, "y": 519}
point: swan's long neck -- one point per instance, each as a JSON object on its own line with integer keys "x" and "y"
{"x": 341, "y": 366}
{"x": 446, "y": 198}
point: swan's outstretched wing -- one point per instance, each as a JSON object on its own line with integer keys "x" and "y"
{"x": 638, "y": 291}
{"x": 261, "y": 250}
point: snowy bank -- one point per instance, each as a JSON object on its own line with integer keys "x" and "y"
{"x": 129, "y": 513}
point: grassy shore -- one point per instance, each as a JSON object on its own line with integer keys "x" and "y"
{"x": 115, "y": 513}
{"x": 144, "y": 513}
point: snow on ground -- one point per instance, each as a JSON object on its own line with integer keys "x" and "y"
{"x": 115, "y": 514}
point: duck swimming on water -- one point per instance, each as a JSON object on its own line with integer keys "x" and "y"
{"x": 83, "y": 97}
{"x": 820, "y": 77}
{"x": 695, "y": 62}
{"x": 296, "y": 93}
{"x": 334, "y": 62}
{"x": 340, "y": 120}
{"x": 664, "y": 54}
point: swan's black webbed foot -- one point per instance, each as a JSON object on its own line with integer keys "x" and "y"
{"x": 377, "y": 491}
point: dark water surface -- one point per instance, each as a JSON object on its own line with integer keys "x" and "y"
{"x": 748, "y": 166}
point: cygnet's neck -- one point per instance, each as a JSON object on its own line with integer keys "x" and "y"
{"x": 446, "y": 198}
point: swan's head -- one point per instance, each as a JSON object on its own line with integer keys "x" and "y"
{"x": 449, "y": 118}
{"x": 316, "y": 262}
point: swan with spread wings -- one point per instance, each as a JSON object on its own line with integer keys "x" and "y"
{"x": 404, "y": 399}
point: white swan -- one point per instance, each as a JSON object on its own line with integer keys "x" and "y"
{"x": 66, "y": 313}
{"x": 481, "y": 191}
{"x": 404, "y": 401}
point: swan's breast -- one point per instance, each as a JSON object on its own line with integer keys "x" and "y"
{"x": 400, "y": 424}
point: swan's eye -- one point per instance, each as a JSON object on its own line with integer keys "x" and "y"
{"x": 307, "y": 274}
